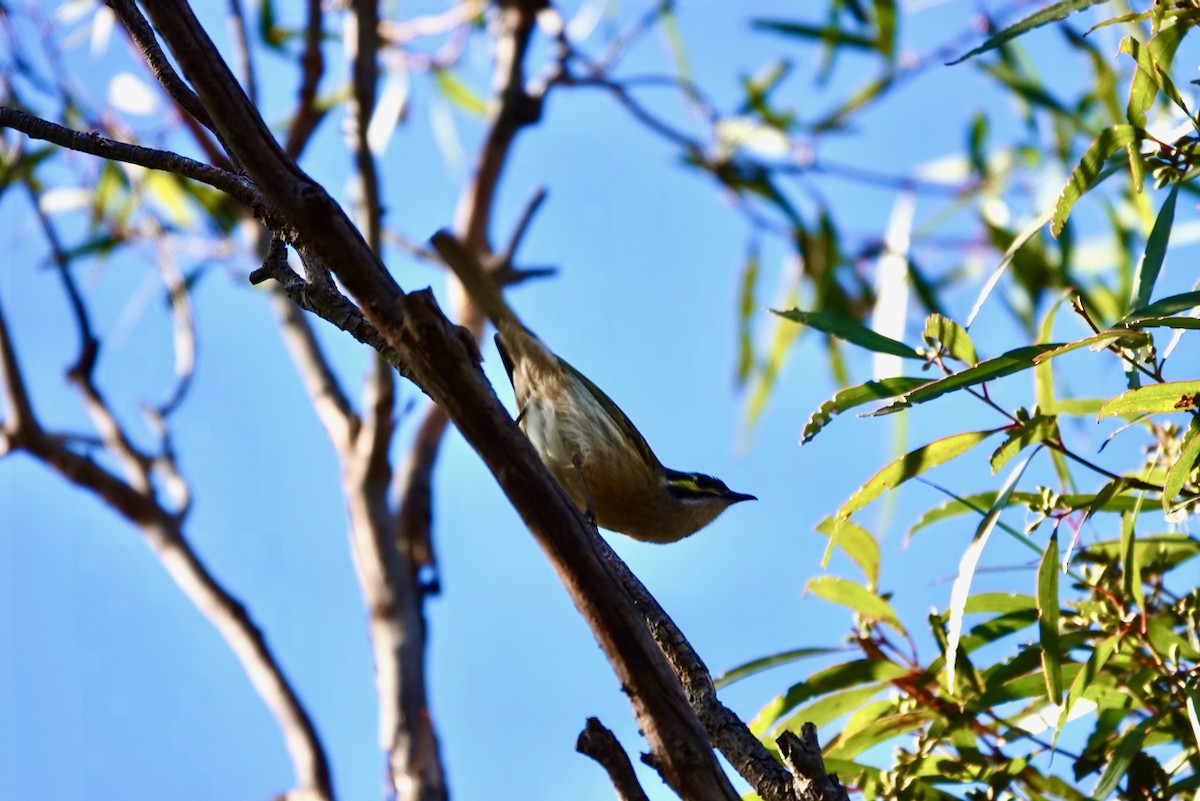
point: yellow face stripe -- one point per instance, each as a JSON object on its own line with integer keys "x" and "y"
{"x": 685, "y": 484}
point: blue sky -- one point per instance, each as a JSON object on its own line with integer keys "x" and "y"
{"x": 112, "y": 684}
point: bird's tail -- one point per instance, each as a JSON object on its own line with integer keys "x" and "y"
{"x": 479, "y": 285}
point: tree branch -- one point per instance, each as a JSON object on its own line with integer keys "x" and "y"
{"x": 600, "y": 744}
{"x": 803, "y": 755}
{"x": 437, "y": 358}
{"x": 312, "y": 64}
{"x": 37, "y": 128}
{"x": 162, "y": 531}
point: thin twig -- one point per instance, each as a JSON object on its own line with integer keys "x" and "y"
{"x": 312, "y": 66}
{"x": 241, "y": 42}
{"x": 327, "y": 303}
{"x": 231, "y": 183}
{"x": 600, "y": 744}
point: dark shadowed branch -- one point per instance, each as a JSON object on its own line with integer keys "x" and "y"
{"x": 434, "y": 353}
{"x": 600, "y": 744}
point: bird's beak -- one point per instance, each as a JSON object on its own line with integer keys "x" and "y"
{"x": 738, "y": 497}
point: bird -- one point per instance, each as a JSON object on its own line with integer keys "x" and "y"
{"x": 590, "y": 447}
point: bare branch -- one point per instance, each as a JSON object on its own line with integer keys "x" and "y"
{"x": 365, "y": 71}
{"x": 241, "y": 41}
{"x": 414, "y": 523}
{"x": 88, "y": 344}
{"x": 184, "y": 324}
{"x": 435, "y": 354}
{"x": 394, "y": 602}
{"x": 162, "y": 531}
{"x": 522, "y": 226}
{"x": 327, "y": 303}
{"x": 19, "y": 420}
{"x": 37, "y": 128}
{"x": 600, "y": 744}
{"x": 803, "y": 755}
{"x": 312, "y": 65}
{"x": 143, "y": 36}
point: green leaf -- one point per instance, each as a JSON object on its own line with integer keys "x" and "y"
{"x": 746, "y": 308}
{"x": 782, "y": 339}
{"x": 1027, "y": 233}
{"x": 1103, "y": 339}
{"x": 1178, "y": 475}
{"x": 1186, "y": 323}
{"x": 855, "y": 597}
{"x": 1191, "y": 696}
{"x": 856, "y": 396}
{"x": 1048, "y": 611}
{"x": 1078, "y": 407}
{"x": 829, "y": 708}
{"x": 961, "y": 589}
{"x": 1161, "y": 552}
{"x": 1172, "y": 396}
{"x": 1088, "y": 172}
{"x": 458, "y": 93}
{"x": 1131, "y": 559}
{"x": 885, "y": 728}
{"x": 1154, "y": 63}
{"x": 1014, "y": 361}
{"x": 1122, "y": 757}
{"x": 1038, "y": 428}
{"x": 1156, "y": 250}
{"x": 1163, "y": 308}
{"x": 1084, "y": 678}
{"x": 1051, "y": 13}
{"x": 269, "y": 31}
{"x": 1001, "y": 603}
{"x": 669, "y": 25}
{"x": 858, "y": 544}
{"x": 852, "y": 332}
{"x": 831, "y": 679}
{"x": 756, "y": 666}
{"x": 941, "y": 330}
{"x": 822, "y": 33}
{"x": 885, "y": 23}
{"x": 909, "y": 465}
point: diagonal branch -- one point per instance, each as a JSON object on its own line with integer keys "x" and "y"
{"x": 435, "y": 355}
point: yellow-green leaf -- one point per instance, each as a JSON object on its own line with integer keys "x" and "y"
{"x": 1172, "y": 396}
{"x": 1178, "y": 475}
{"x": 1044, "y": 16}
{"x": 850, "y": 331}
{"x": 1125, "y": 337}
{"x": 1089, "y": 169}
{"x": 858, "y": 544}
{"x": 909, "y": 465}
{"x": 458, "y": 92}
{"x": 856, "y": 396}
{"x": 1014, "y": 361}
{"x": 941, "y": 330}
{"x": 1038, "y": 428}
{"x": 1048, "y": 614}
{"x": 855, "y": 597}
